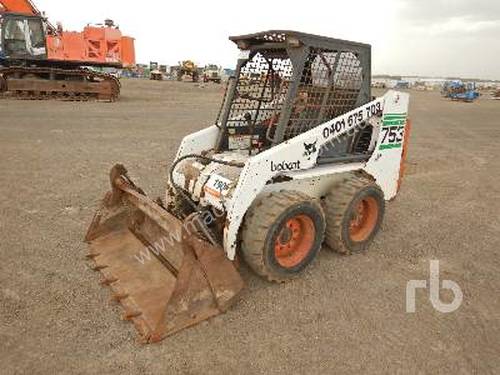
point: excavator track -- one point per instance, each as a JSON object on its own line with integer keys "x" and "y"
{"x": 45, "y": 83}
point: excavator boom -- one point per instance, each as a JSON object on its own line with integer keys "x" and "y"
{"x": 19, "y": 6}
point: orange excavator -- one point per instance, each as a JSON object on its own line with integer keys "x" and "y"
{"x": 40, "y": 61}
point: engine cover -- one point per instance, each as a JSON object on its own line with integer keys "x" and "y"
{"x": 210, "y": 184}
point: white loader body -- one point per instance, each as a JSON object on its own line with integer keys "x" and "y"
{"x": 293, "y": 164}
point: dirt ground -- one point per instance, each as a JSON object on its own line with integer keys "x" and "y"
{"x": 345, "y": 315}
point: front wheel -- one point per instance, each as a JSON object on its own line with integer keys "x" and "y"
{"x": 282, "y": 234}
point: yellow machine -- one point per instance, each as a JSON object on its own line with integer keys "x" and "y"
{"x": 188, "y": 68}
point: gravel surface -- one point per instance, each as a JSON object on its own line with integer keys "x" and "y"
{"x": 345, "y": 315}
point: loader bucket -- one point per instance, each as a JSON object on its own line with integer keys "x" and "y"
{"x": 166, "y": 277}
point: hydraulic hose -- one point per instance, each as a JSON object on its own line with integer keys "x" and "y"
{"x": 185, "y": 194}
{"x": 179, "y": 189}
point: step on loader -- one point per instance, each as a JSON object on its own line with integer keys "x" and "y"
{"x": 300, "y": 155}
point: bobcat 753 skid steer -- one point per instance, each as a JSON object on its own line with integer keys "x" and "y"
{"x": 300, "y": 154}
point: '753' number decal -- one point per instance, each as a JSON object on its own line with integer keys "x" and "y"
{"x": 392, "y": 137}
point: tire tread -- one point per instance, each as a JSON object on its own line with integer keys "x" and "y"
{"x": 336, "y": 204}
{"x": 259, "y": 218}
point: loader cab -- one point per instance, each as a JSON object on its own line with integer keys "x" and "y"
{"x": 287, "y": 83}
{"x": 23, "y": 37}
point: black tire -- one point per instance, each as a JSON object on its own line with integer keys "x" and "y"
{"x": 264, "y": 226}
{"x": 344, "y": 233}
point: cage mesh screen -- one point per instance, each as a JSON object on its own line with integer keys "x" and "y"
{"x": 261, "y": 90}
{"x": 272, "y": 37}
{"x": 330, "y": 86}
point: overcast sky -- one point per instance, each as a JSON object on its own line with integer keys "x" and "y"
{"x": 417, "y": 37}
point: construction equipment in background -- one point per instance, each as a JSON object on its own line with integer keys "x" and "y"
{"x": 154, "y": 72}
{"x": 402, "y": 85}
{"x": 379, "y": 85}
{"x": 156, "y": 75}
{"x": 301, "y": 157}
{"x": 496, "y": 94}
{"x": 40, "y": 61}
{"x": 187, "y": 71}
{"x": 421, "y": 86}
{"x": 212, "y": 73}
{"x": 460, "y": 91}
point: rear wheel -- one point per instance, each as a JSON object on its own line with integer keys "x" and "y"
{"x": 355, "y": 210}
{"x": 282, "y": 234}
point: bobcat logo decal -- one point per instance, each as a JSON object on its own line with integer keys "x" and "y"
{"x": 310, "y": 149}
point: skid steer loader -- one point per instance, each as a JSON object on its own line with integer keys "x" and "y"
{"x": 298, "y": 157}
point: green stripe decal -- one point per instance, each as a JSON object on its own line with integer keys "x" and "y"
{"x": 395, "y": 115}
{"x": 394, "y": 119}
{"x": 391, "y": 146}
{"x": 394, "y": 122}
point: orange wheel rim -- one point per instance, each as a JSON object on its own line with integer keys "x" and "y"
{"x": 364, "y": 219}
{"x": 295, "y": 241}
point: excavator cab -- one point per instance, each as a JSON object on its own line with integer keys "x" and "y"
{"x": 22, "y": 37}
